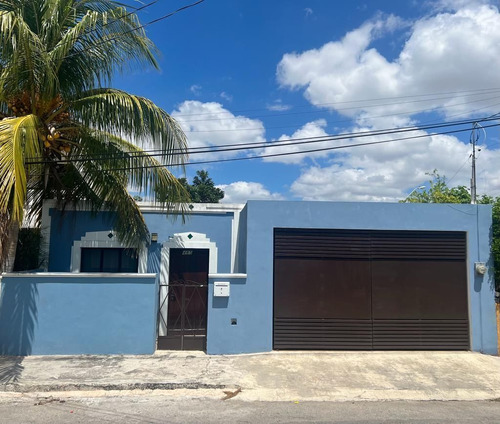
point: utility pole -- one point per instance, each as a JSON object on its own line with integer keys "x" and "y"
{"x": 474, "y": 137}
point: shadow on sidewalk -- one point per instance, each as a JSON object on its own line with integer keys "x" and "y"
{"x": 10, "y": 369}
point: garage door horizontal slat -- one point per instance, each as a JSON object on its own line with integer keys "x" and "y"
{"x": 320, "y": 334}
{"x": 370, "y": 244}
{"x": 389, "y": 272}
{"x": 322, "y": 320}
{"x": 421, "y": 333}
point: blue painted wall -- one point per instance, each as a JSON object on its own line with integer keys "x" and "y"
{"x": 68, "y": 227}
{"x": 73, "y": 225}
{"x": 82, "y": 314}
{"x": 217, "y": 227}
{"x": 253, "y": 299}
{"x": 222, "y": 337}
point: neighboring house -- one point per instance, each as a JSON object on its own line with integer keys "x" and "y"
{"x": 261, "y": 276}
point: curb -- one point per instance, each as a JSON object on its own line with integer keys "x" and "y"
{"x": 72, "y": 387}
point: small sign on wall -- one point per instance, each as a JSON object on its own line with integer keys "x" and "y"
{"x": 221, "y": 288}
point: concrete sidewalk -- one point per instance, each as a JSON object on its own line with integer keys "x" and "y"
{"x": 276, "y": 376}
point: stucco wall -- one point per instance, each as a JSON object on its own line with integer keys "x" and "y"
{"x": 217, "y": 227}
{"x": 251, "y": 300}
{"x": 222, "y": 336}
{"x": 78, "y": 314}
{"x": 263, "y": 216}
{"x": 73, "y": 225}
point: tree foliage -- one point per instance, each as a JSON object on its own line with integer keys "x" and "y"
{"x": 203, "y": 189}
{"x": 439, "y": 192}
{"x": 57, "y": 59}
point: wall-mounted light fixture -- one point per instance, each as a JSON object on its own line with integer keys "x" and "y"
{"x": 481, "y": 268}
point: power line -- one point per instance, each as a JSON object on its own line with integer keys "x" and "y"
{"x": 278, "y": 143}
{"x": 412, "y": 112}
{"x": 189, "y": 121}
{"x": 154, "y": 21}
{"x": 261, "y": 145}
{"x": 135, "y": 10}
{"x": 300, "y": 152}
{"x": 478, "y": 91}
{"x": 459, "y": 169}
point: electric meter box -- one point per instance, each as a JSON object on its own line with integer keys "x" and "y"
{"x": 221, "y": 288}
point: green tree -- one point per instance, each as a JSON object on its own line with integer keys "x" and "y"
{"x": 203, "y": 189}
{"x": 439, "y": 192}
{"x": 57, "y": 60}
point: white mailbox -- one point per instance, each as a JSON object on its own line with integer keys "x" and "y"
{"x": 221, "y": 289}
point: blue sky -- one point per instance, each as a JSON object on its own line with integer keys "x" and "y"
{"x": 237, "y": 71}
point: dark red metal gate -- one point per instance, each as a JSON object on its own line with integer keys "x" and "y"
{"x": 347, "y": 289}
{"x": 186, "y": 297}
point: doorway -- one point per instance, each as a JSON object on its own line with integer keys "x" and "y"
{"x": 183, "y": 301}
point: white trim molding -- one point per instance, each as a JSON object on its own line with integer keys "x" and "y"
{"x": 219, "y": 276}
{"x": 181, "y": 241}
{"x": 187, "y": 241}
{"x": 103, "y": 239}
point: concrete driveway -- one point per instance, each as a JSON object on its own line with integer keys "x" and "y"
{"x": 275, "y": 376}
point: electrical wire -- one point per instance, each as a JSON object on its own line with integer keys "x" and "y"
{"x": 478, "y": 91}
{"x": 459, "y": 169}
{"x": 135, "y": 10}
{"x": 265, "y": 144}
{"x": 412, "y": 112}
{"x": 267, "y": 155}
{"x": 299, "y": 152}
{"x": 154, "y": 21}
{"x": 269, "y": 115}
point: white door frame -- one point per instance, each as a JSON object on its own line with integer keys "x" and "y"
{"x": 188, "y": 240}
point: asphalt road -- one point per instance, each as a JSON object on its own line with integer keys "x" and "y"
{"x": 158, "y": 408}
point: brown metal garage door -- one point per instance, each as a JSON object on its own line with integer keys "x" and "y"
{"x": 349, "y": 289}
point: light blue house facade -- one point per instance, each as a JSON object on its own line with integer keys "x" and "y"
{"x": 246, "y": 304}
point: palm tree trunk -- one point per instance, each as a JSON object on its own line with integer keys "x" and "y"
{"x": 8, "y": 245}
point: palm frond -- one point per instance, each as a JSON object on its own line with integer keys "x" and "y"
{"x": 26, "y": 67}
{"x": 110, "y": 42}
{"x": 18, "y": 142}
{"x": 102, "y": 190}
{"x": 123, "y": 114}
{"x": 145, "y": 173}
{"x": 55, "y": 57}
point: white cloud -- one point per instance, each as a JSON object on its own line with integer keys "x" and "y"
{"x": 210, "y": 124}
{"x": 241, "y": 191}
{"x": 226, "y": 96}
{"x": 387, "y": 172}
{"x": 195, "y": 89}
{"x": 278, "y": 106}
{"x": 307, "y": 133}
{"x": 447, "y": 52}
{"x": 308, "y": 11}
{"x": 455, "y": 5}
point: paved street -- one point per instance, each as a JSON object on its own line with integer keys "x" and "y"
{"x": 279, "y": 387}
{"x": 163, "y": 407}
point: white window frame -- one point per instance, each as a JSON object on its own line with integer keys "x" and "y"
{"x": 101, "y": 239}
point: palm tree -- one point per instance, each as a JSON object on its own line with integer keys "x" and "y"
{"x": 63, "y": 134}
